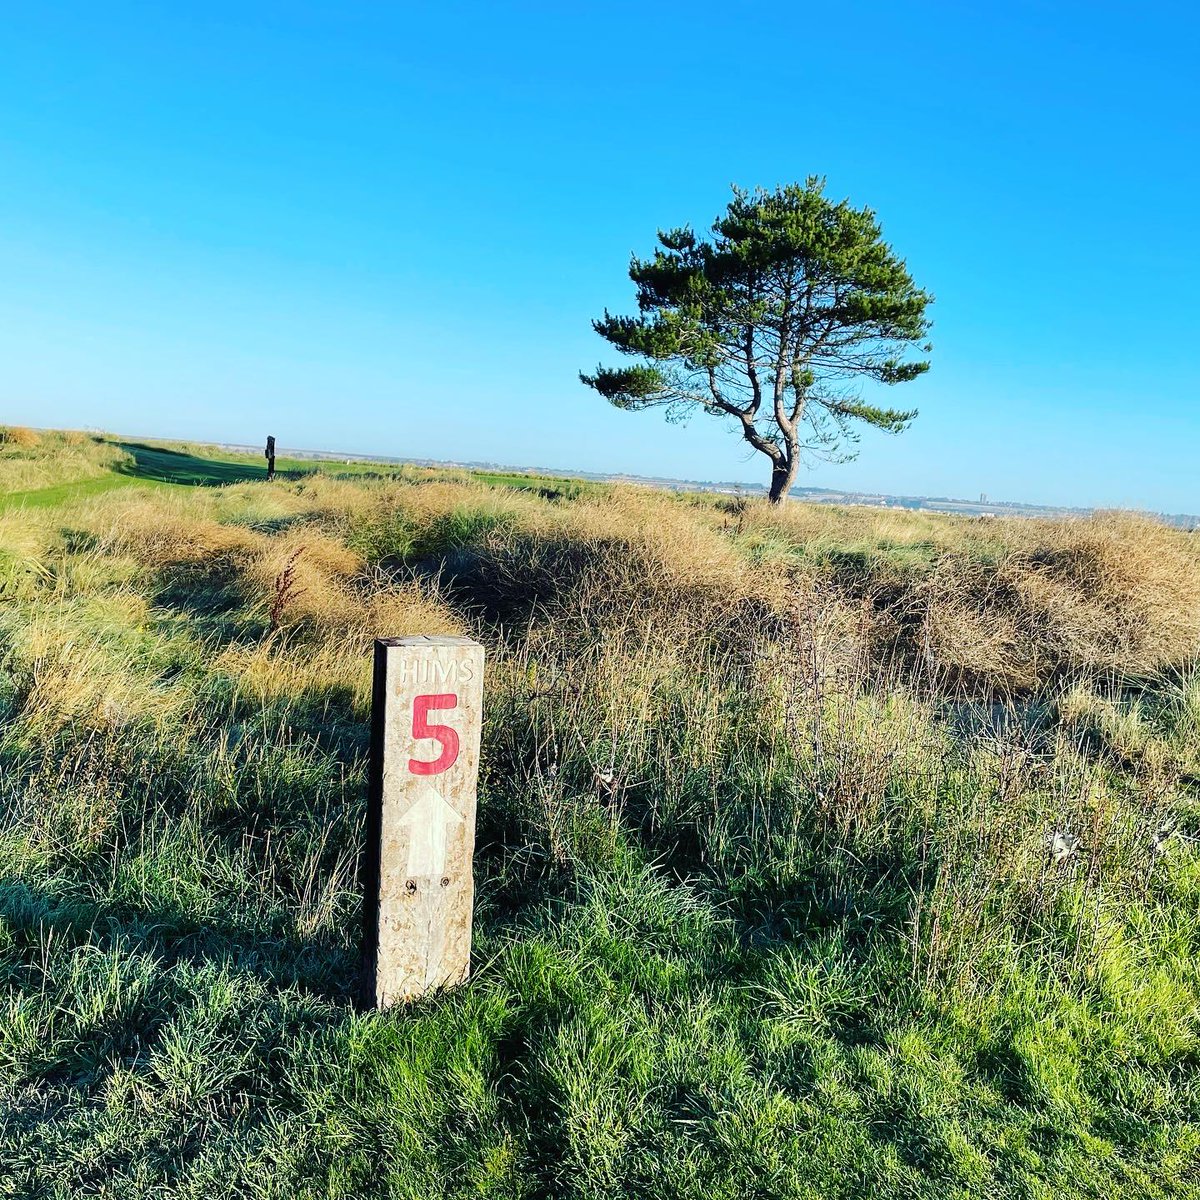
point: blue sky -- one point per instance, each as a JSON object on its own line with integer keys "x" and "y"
{"x": 386, "y": 228}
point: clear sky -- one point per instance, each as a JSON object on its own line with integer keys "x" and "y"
{"x": 386, "y": 227}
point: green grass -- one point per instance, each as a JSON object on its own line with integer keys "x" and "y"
{"x": 208, "y": 466}
{"x": 63, "y": 493}
{"x": 144, "y": 465}
{"x": 176, "y": 466}
{"x": 807, "y": 945}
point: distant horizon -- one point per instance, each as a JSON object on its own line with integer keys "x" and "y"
{"x": 283, "y": 450}
{"x": 395, "y": 227}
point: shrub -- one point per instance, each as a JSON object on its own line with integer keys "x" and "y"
{"x": 1112, "y": 595}
{"x": 19, "y": 437}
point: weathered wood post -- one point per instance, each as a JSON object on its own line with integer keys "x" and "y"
{"x": 269, "y": 454}
{"x": 426, "y": 713}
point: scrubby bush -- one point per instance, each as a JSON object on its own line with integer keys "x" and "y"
{"x": 19, "y": 437}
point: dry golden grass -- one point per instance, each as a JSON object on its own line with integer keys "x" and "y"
{"x": 999, "y": 606}
{"x": 320, "y": 497}
{"x": 267, "y": 672}
{"x": 332, "y": 655}
{"x": 842, "y": 525}
{"x": 255, "y": 506}
{"x": 28, "y": 534}
{"x": 304, "y": 576}
{"x": 25, "y": 542}
{"x": 161, "y": 528}
{"x": 633, "y": 556}
{"x": 405, "y": 611}
{"x": 70, "y": 678}
{"x": 31, "y": 460}
{"x": 1004, "y": 605}
{"x": 663, "y": 533}
{"x": 19, "y": 436}
{"x": 1115, "y": 594}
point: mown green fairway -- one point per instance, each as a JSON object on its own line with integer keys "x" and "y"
{"x": 164, "y": 465}
{"x": 63, "y": 493}
{"x": 766, "y": 905}
{"x": 143, "y": 464}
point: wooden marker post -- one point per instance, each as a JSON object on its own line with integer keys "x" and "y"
{"x": 426, "y": 713}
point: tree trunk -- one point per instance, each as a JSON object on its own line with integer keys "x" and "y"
{"x": 783, "y": 475}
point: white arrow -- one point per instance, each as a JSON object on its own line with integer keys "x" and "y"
{"x": 427, "y": 822}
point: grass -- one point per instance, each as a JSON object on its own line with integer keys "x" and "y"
{"x": 765, "y": 899}
{"x": 61, "y": 493}
{"x": 65, "y": 467}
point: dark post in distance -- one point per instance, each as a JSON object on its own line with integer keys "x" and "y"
{"x": 269, "y": 452}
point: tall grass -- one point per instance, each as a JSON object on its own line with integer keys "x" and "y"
{"x": 769, "y": 901}
{"x": 30, "y": 460}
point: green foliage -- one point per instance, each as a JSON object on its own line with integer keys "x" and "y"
{"x": 774, "y": 323}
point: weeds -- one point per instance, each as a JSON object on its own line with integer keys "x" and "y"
{"x": 286, "y": 591}
{"x": 820, "y": 853}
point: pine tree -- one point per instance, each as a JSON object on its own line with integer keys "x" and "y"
{"x": 774, "y": 323}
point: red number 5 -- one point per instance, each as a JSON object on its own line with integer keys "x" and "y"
{"x": 443, "y": 734}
